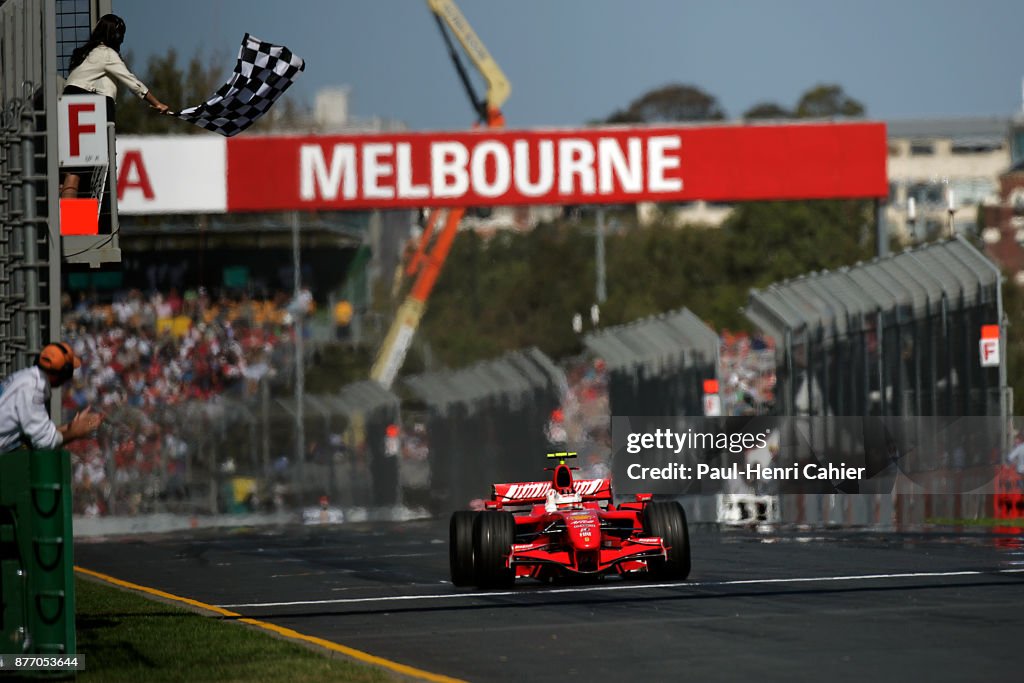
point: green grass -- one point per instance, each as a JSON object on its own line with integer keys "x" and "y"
{"x": 126, "y": 637}
{"x": 984, "y": 522}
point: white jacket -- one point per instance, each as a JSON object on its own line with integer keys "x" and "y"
{"x": 96, "y": 74}
{"x": 23, "y": 399}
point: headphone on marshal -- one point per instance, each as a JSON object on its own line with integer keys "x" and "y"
{"x": 58, "y": 359}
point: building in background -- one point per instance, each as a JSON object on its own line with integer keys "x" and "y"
{"x": 1002, "y": 219}
{"x": 684, "y": 213}
{"x": 939, "y": 164}
{"x": 1003, "y": 232}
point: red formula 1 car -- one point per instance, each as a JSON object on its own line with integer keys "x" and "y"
{"x": 566, "y": 528}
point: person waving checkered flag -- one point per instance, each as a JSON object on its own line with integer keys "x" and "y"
{"x": 263, "y": 72}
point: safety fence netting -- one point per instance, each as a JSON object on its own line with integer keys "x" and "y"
{"x": 900, "y": 337}
{"x": 911, "y": 345}
{"x": 657, "y": 365}
{"x": 489, "y": 422}
{"x": 896, "y": 336}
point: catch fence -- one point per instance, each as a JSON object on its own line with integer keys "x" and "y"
{"x": 896, "y": 336}
{"x": 898, "y": 365}
{"x": 487, "y": 423}
{"x": 657, "y": 365}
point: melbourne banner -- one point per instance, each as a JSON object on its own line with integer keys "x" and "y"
{"x": 509, "y": 167}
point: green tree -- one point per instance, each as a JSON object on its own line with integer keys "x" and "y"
{"x": 511, "y": 291}
{"x": 675, "y": 102}
{"x": 521, "y": 289}
{"x": 827, "y": 100}
{"x": 772, "y": 241}
{"x": 767, "y": 110}
{"x": 174, "y": 86}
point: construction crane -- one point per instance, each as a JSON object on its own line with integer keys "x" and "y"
{"x": 429, "y": 257}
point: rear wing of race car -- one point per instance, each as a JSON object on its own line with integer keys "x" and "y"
{"x": 535, "y": 492}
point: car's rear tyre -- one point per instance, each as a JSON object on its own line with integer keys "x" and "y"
{"x": 668, "y": 520}
{"x": 494, "y": 533}
{"x": 460, "y": 548}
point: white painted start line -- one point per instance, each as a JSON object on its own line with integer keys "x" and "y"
{"x": 629, "y": 587}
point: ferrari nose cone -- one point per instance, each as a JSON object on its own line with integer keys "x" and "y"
{"x": 584, "y": 530}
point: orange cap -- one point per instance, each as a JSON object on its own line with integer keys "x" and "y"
{"x": 56, "y": 357}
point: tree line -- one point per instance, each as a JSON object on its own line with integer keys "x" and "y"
{"x": 683, "y": 102}
{"x": 521, "y": 289}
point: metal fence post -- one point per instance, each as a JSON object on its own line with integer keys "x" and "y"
{"x": 52, "y": 607}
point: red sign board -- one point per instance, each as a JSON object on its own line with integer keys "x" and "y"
{"x": 587, "y": 166}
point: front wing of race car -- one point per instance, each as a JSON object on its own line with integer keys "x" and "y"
{"x": 542, "y": 558}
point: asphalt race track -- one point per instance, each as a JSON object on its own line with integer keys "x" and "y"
{"x": 815, "y": 606}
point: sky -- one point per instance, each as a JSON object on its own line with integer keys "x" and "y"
{"x": 574, "y": 61}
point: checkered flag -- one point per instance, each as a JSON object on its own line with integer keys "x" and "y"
{"x": 262, "y": 73}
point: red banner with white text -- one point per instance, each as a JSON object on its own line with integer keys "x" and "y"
{"x": 586, "y": 166}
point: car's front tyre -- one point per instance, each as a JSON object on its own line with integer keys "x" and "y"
{"x": 493, "y": 535}
{"x": 668, "y": 521}
{"x": 460, "y": 548}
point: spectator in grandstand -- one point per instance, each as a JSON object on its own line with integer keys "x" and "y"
{"x": 23, "y": 398}
{"x": 94, "y": 66}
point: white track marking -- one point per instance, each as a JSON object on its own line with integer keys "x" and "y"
{"x": 632, "y": 587}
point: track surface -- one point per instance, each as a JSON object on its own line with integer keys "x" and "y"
{"x": 933, "y": 607}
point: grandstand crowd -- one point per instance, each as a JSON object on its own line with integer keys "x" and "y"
{"x": 147, "y": 362}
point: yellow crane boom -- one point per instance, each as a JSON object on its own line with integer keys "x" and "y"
{"x": 498, "y": 87}
{"x": 428, "y": 263}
